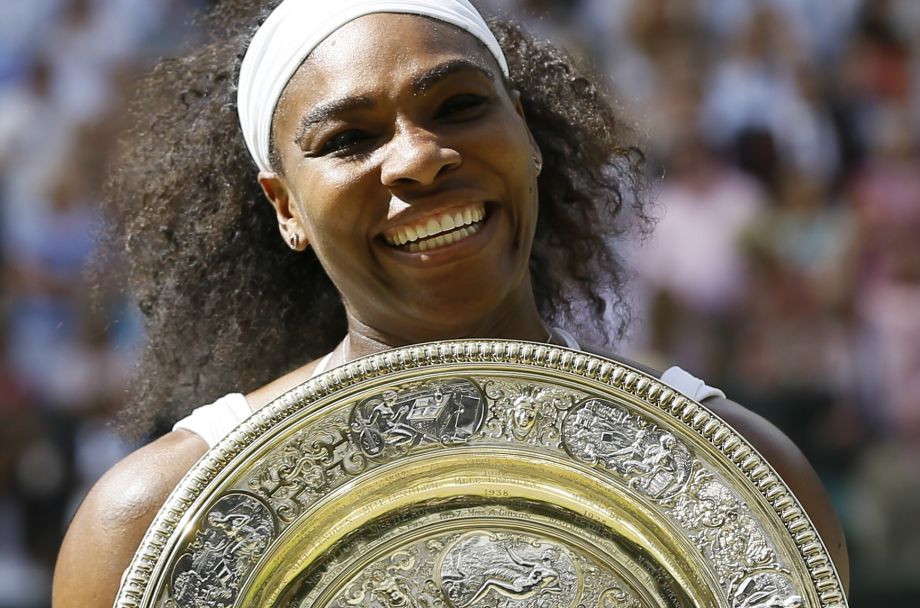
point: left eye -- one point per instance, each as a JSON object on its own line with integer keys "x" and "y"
{"x": 460, "y": 105}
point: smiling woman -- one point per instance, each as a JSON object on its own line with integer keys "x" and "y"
{"x": 431, "y": 177}
{"x": 227, "y": 304}
{"x": 419, "y": 133}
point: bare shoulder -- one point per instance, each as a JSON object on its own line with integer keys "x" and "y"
{"x": 785, "y": 457}
{"x": 112, "y": 520}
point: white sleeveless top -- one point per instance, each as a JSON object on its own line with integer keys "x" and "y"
{"x": 215, "y": 421}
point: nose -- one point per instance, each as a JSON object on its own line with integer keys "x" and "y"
{"x": 416, "y": 156}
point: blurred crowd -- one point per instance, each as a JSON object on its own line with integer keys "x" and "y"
{"x": 65, "y": 67}
{"x": 784, "y": 136}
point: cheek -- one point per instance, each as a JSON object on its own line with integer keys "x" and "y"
{"x": 517, "y": 156}
{"x": 336, "y": 201}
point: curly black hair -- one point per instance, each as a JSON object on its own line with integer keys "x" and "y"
{"x": 227, "y": 306}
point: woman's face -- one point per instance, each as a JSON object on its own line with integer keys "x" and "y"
{"x": 409, "y": 168}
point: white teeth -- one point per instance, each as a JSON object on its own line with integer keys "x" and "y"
{"x": 442, "y": 240}
{"x": 449, "y": 225}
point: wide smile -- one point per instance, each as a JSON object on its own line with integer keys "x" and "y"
{"x": 437, "y": 231}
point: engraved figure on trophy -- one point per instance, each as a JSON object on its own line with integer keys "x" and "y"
{"x": 617, "y": 598}
{"x": 400, "y": 580}
{"x": 388, "y": 592}
{"x": 505, "y": 571}
{"x": 386, "y": 421}
{"x": 307, "y": 465}
{"x": 740, "y": 537}
{"x": 393, "y": 593}
{"x": 443, "y": 411}
{"x": 237, "y": 531}
{"x": 653, "y": 461}
{"x": 724, "y": 530}
{"x": 526, "y": 412}
{"x": 766, "y": 590}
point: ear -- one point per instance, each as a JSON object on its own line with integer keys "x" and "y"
{"x": 519, "y": 108}
{"x": 289, "y": 223}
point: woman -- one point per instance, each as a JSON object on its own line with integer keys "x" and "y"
{"x": 402, "y": 145}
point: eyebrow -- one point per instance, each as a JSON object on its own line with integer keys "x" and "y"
{"x": 425, "y": 81}
{"x": 331, "y": 109}
{"x": 419, "y": 85}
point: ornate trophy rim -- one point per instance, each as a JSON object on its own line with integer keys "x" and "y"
{"x": 709, "y": 432}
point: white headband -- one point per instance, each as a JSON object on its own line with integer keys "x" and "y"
{"x": 297, "y": 27}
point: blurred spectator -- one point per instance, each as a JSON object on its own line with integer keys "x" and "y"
{"x": 885, "y": 535}
{"x": 63, "y": 362}
{"x": 886, "y": 201}
{"x": 693, "y": 270}
{"x": 767, "y": 85}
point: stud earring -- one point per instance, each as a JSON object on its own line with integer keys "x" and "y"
{"x": 295, "y": 241}
{"x": 538, "y": 164}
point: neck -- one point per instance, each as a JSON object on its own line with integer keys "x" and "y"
{"x": 522, "y": 323}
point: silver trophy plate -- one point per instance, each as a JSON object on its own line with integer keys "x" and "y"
{"x": 482, "y": 474}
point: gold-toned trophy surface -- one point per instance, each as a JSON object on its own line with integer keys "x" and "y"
{"x": 482, "y": 474}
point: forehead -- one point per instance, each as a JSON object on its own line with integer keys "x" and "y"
{"x": 380, "y": 49}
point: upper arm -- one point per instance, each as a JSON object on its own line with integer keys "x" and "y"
{"x": 789, "y": 462}
{"x": 113, "y": 518}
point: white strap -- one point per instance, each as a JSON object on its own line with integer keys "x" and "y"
{"x": 688, "y": 384}
{"x": 322, "y": 366}
{"x": 569, "y": 339}
{"x": 214, "y": 421}
{"x": 675, "y": 377}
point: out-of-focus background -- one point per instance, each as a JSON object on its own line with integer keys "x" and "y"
{"x": 785, "y": 267}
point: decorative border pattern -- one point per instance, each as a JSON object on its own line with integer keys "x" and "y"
{"x": 684, "y": 411}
